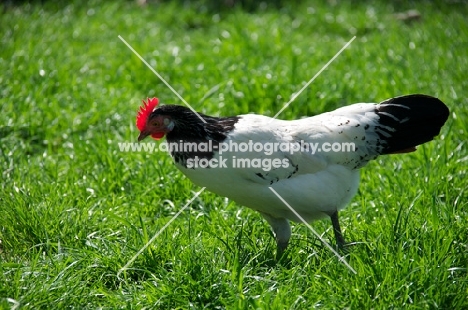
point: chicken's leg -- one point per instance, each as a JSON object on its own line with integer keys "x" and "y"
{"x": 340, "y": 241}
{"x": 282, "y": 231}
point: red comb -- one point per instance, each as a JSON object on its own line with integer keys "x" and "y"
{"x": 145, "y": 112}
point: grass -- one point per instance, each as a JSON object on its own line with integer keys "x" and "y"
{"x": 74, "y": 209}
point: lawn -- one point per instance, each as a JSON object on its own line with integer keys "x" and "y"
{"x": 74, "y": 209}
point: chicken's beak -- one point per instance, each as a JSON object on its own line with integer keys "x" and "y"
{"x": 143, "y": 135}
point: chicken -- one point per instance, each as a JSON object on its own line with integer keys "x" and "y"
{"x": 241, "y": 157}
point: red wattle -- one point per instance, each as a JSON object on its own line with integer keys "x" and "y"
{"x": 157, "y": 135}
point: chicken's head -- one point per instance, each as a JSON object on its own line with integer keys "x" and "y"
{"x": 150, "y": 123}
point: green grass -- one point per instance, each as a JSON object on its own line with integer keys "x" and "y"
{"x": 74, "y": 209}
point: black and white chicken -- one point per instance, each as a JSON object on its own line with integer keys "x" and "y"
{"x": 315, "y": 184}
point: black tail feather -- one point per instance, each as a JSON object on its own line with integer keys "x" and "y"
{"x": 408, "y": 121}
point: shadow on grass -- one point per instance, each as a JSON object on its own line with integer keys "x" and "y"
{"x": 250, "y": 6}
{"x": 210, "y": 5}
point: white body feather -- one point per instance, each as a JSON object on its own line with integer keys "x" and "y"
{"x": 315, "y": 185}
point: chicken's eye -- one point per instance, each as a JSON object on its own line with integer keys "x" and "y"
{"x": 156, "y": 124}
